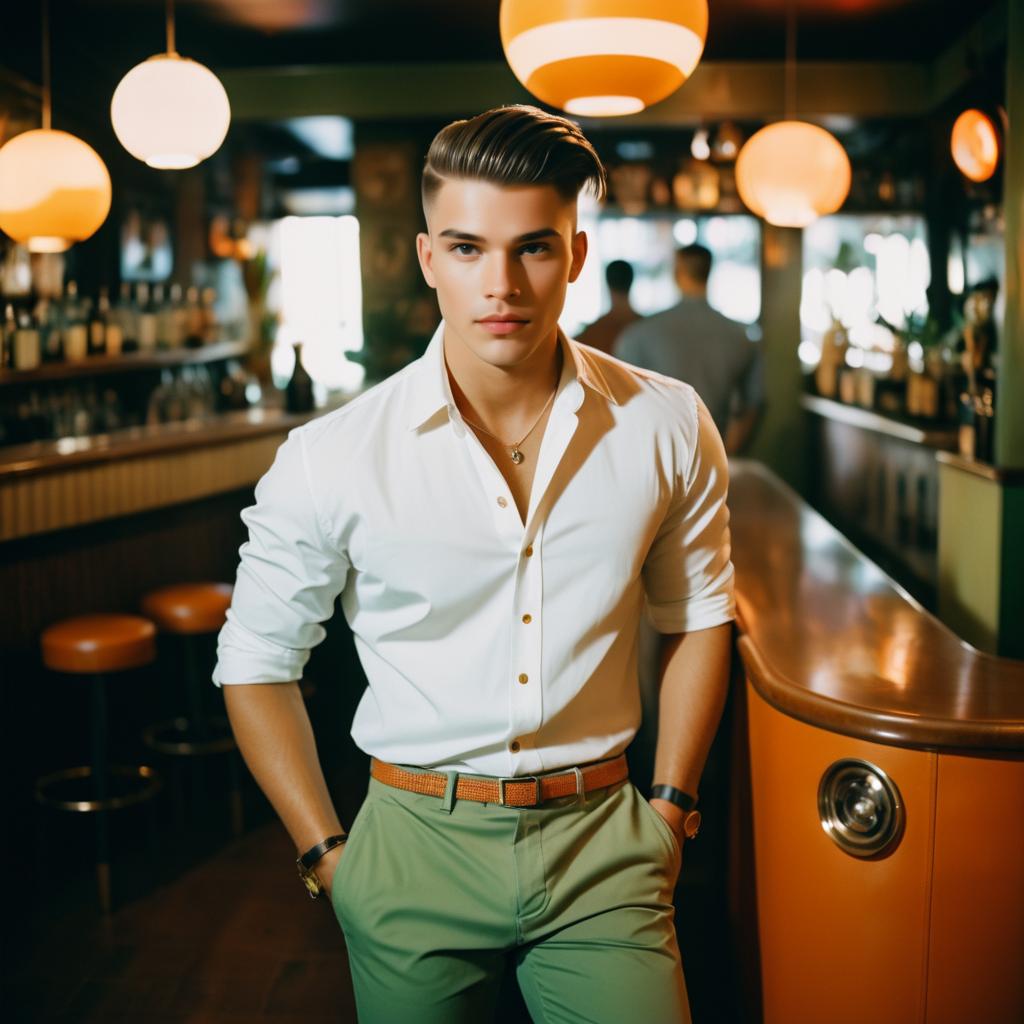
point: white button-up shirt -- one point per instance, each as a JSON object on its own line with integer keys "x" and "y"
{"x": 490, "y": 646}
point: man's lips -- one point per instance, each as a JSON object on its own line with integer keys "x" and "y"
{"x": 499, "y": 324}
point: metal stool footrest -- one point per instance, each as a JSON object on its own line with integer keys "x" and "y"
{"x": 147, "y": 784}
{"x": 174, "y": 737}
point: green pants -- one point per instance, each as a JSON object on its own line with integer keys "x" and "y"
{"x": 433, "y": 899}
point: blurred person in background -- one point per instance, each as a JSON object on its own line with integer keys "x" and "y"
{"x": 605, "y": 330}
{"x": 696, "y": 344}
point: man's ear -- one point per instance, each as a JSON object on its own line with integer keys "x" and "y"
{"x": 425, "y": 254}
{"x": 579, "y": 254}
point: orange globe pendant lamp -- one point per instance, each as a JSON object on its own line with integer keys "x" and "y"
{"x": 170, "y": 112}
{"x": 603, "y": 58}
{"x": 975, "y": 145}
{"x": 54, "y": 188}
{"x": 791, "y": 172}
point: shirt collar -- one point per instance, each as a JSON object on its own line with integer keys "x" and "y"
{"x": 431, "y": 389}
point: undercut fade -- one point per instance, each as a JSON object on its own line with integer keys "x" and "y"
{"x": 514, "y": 145}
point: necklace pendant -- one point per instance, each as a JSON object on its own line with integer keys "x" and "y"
{"x": 517, "y": 456}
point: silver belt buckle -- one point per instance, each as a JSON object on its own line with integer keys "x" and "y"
{"x": 522, "y": 778}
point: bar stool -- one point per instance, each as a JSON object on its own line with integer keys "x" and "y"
{"x": 94, "y": 645}
{"x": 189, "y": 610}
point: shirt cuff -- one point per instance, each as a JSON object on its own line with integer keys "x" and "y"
{"x": 243, "y": 657}
{"x": 689, "y": 616}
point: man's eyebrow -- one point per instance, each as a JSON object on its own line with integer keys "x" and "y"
{"x": 530, "y": 236}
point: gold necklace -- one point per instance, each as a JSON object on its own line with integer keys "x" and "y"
{"x": 513, "y": 449}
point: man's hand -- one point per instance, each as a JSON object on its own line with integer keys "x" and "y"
{"x": 675, "y": 816}
{"x": 327, "y": 865}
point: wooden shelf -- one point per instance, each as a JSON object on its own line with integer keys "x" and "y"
{"x": 98, "y": 366}
{"x": 938, "y": 436}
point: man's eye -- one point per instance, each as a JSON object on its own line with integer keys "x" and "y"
{"x": 464, "y": 248}
{"x": 534, "y": 247}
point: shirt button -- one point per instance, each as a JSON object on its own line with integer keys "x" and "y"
{"x": 523, "y": 677}
{"x": 502, "y": 503}
{"x": 514, "y": 746}
{"x": 528, "y": 551}
{"x": 527, "y": 619}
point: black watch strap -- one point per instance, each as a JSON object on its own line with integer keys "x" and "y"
{"x": 311, "y": 856}
{"x": 674, "y": 796}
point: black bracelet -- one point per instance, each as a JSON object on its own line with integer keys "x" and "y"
{"x": 674, "y": 796}
{"x": 311, "y": 856}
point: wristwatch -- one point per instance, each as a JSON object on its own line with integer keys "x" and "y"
{"x": 305, "y": 864}
{"x": 691, "y": 822}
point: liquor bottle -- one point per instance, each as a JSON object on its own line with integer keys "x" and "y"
{"x": 76, "y": 329}
{"x": 26, "y": 343}
{"x": 210, "y": 328}
{"x": 298, "y": 396}
{"x": 99, "y": 325}
{"x": 179, "y": 317}
{"x": 53, "y": 333}
{"x": 10, "y": 329}
{"x": 147, "y": 318}
{"x": 193, "y": 319}
{"x": 127, "y": 316}
{"x": 114, "y": 334}
{"x": 164, "y": 319}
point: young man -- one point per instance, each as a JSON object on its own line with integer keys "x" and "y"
{"x": 494, "y": 516}
{"x": 693, "y": 342}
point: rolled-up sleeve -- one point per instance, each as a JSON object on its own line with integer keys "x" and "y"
{"x": 288, "y": 578}
{"x": 688, "y": 574}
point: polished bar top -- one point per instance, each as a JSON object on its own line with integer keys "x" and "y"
{"x": 938, "y": 437}
{"x": 71, "y": 452}
{"x": 828, "y": 638}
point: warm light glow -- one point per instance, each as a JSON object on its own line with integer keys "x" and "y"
{"x": 603, "y": 58}
{"x": 170, "y": 112}
{"x": 975, "y": 145}
{"x": 792, "y": 172}
{"x": 54, "y": 190}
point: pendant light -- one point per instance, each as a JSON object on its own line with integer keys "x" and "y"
{"x": 169, "y": 111}
{"x": 603, "y": 58}
{"x": 975, "y": 145}
{"x": 54, "y": 188}
{"x": 792, "y": 172}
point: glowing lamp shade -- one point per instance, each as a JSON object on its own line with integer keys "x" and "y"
{"x": 792, "y": 172}
{"x": 54, "y": 190}
{"x": 170, "y": 112}
{"x": 975, "y": 145}
{"x": 603, "y": 58}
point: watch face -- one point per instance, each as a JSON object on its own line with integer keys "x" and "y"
{"x": 691, "y": 824}
{"x": 310, "y": 881}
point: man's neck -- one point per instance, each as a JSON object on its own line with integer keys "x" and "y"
{"x": 502, "y": 397}
{"x": 621, "y": 306}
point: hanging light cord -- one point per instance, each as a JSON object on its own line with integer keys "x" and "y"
{"x": 47, "y": 112}
{"x": 170, "y": 26}
{"x": 790, "y": 87}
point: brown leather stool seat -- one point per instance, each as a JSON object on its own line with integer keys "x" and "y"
{"x": 189, "y": 607}
{"x": 94, "y": 645}
{"x": 190, "y": 610}
{"x": 89, "y": 644}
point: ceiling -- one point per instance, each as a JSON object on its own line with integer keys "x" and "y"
{"x": 115, "y": 34}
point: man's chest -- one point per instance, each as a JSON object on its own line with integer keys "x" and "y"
{"x": 440, "y": 520}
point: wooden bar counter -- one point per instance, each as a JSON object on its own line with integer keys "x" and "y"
{"x": 840, "y": 665}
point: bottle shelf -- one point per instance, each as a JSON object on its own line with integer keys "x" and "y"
{"x": 97, "y": 366}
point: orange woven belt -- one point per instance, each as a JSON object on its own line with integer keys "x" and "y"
{"x": 516, "y": 791}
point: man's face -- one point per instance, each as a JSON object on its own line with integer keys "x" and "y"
{"x": 501, "y": 258}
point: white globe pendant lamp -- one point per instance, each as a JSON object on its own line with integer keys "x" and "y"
{"x": 170, "y": 112}
{"x": 792, "y": 172}
{"x": 54, "y": 188}
{"x": 603, "y": 58}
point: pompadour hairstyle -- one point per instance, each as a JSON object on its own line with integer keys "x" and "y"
{"x": 514, "y": 145}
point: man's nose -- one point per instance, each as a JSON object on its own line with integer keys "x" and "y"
{"x": 500, "y": 277}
